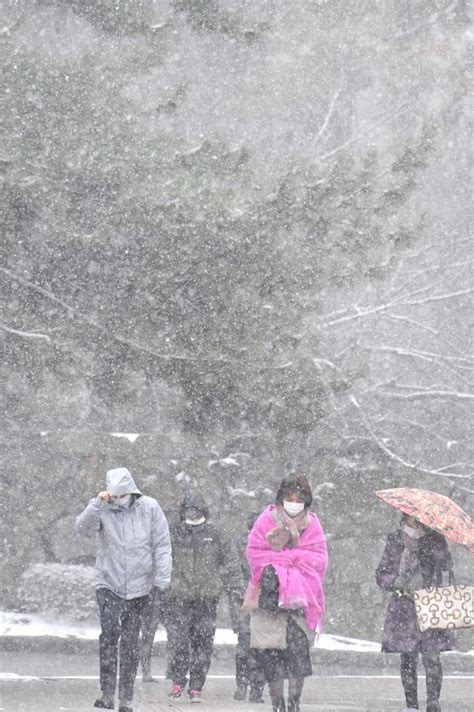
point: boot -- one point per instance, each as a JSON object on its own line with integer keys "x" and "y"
{"x": 255, "y": 694}
{"x": 105, "y": 702}
{"x": 294, "y": 704}
{"x": 433, "y": 706}
{"x": 125, "y": 706}
{"x": 279, "y": 705}
{"x": 240, "y": 692}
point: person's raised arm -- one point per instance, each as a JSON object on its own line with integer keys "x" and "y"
{"x": 88, "y": 522}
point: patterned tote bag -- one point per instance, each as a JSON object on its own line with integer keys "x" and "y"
{"x": 445, "y": 607}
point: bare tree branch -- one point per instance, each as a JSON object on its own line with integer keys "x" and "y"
{"x": 409, "y": 465}
{"x": 427, "y": 394}
{"x": 413, "y": 322}
{"x": 329, "y": 111}
{"x": 135, "y": 346}
{"x": 451, "y": 362}
{"x": 364, "y": 134}
{"x": 439, "y": 297}
{"x": 25, "y": 334}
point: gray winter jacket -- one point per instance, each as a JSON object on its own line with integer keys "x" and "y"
{"x": 133, "y": 543}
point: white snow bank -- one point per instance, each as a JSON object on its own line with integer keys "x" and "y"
{"x": 30, "y": 625}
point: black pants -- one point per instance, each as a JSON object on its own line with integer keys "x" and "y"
{"x": 248, "y": 665}
{"x": 119, "y": 620}
{"x": 152, "y": 616}
{"x": 190, "y": 625}
{"x": 409, "y": 674}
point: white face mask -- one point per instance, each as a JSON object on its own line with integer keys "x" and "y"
{"x": 121, "y": 501}
{"x": 195, "y": 522}
{"x": 293, "y": 508}
{"x": 412, "y": 532}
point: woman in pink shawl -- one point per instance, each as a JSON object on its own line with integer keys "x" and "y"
{"x": 287, "y": 556}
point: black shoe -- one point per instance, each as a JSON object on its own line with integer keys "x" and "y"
{"x": 240, "y": 692}
{"x": 294, "y": 705}
{"x": 433, "y": 707}
{"x": 255, "y": 696}
{"x": 125, "y": 706}
{"x": 103, "y": 705}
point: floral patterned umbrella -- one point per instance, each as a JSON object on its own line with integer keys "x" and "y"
{"x": 434, "y": 510}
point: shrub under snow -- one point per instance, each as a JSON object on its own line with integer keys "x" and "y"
{"x": 65, "y": 591}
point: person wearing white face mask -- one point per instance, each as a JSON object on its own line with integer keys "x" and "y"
{"x": 133, "y": 560}
{"x": 414, "y": 558}
{"x": 205, "y": 565}
{"x": 293, "y": 508}
{"x": 287, "y": 557}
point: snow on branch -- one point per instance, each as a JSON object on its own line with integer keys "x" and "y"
{"x": 428, "y": 394}
{"x": 363, "y": 134}
{"x": 439, "y": 297}
{"x": 330, "y": 110}
{"x": 25, "y": 334}
{"x": 409, "y": 465}
{"x": 135, "y": 346}
{"x": 413, "y": 322}
{"x": 428, "y": 356}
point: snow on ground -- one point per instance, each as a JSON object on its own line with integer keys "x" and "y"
{"x": 25, "y": 624}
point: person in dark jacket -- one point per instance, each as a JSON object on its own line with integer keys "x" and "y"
{"x": 204, "y": 565}
{"x": 249, "y": 670}
{"x": 414, "y": 557}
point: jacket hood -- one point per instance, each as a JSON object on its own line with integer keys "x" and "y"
{"x": 193, "y": 500}
{"x": 120, "y": 481}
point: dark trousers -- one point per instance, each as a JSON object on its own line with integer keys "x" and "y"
{"x": 190, "y": 625}
{"x": 152, "y": 616}
{"x": 248, "y": 665}
{"x": 409, "y": 674}
{"x": 119, "y": 620}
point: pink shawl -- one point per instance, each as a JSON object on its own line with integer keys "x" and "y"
{"x": 300, "y": 569}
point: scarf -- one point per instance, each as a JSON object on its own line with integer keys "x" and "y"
{"x": 300, "y": 569}
{"x": 287, "y": 531}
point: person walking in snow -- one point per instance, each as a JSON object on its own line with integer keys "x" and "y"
{"x": 133, "y": 558}
{"x": 414, "y": 557}
{"x": 287, "y": 556}
{"x": 249, "y": 672}
{"x": 153, "y": 615}
{"x": 204, "y": 565}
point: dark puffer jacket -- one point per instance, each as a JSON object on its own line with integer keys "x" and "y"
{"x": 204, "y": 563}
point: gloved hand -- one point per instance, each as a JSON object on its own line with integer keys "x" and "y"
{"x": 161, "y": 601}
{"x": 401, "y": 587}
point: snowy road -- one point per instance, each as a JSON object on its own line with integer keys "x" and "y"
{"x": 35, "y": 683}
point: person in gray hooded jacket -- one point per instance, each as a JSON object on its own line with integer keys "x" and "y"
{"x": 133, "y": 557}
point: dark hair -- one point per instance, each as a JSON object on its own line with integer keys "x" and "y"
{"x": 295, "y": 483}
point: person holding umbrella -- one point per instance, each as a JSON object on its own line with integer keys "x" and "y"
{"x": 415, "y": 557}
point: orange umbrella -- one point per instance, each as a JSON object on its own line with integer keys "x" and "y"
{"x": 434, "y": 510}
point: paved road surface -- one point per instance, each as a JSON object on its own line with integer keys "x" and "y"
{"x": 56, "y": 683}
